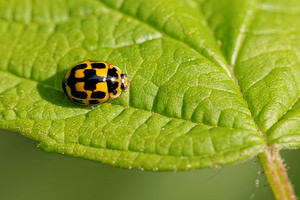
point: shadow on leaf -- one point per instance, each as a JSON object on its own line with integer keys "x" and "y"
{"x": 51, "y": 91}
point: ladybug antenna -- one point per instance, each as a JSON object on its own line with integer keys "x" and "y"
{"x": 125, "y": 69}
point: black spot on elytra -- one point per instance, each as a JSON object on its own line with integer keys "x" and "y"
{"x": 112, "y": 84}
{"x": 112, "y": 72}
{"x": 112, "y": 87}
{"x": 98, "y": 65}
{"x": 98, "y": 95}
{"x": 71, "y": 81}
{"x": 90, "y": 80}
{"x": 89, "y": 73}
{"x": 76, "y": 94}
{"x": 80, "y": 66}
{"x": 92, "y": 102}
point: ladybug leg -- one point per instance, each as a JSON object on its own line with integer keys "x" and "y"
{"x": 112, "y": 97}
{"x": 118, "y": 96}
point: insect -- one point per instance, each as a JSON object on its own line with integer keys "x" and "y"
{"x": 94, "y": 82}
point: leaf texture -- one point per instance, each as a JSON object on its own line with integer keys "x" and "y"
{"x": 193, "y": 102}
{"x": 267, "y": 65}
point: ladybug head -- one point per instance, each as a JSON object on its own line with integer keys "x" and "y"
{"x": 124, "y": 82}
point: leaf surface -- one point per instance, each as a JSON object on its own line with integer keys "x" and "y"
{"x": 195, "y": 79}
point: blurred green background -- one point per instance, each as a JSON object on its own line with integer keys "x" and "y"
{"x": 28, "y": 173}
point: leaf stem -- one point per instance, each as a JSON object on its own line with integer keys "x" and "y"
{"x": 276, "y": 174}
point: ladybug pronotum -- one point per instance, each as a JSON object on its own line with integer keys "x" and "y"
{"x": 94, "y": 82}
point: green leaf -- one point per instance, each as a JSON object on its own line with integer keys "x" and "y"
{"x": 208, "y": 79}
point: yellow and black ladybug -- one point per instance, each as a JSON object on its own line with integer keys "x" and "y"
{"x": 94, "y": 82}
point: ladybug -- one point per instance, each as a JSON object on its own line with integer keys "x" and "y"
{"x": 93, "y": 82}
